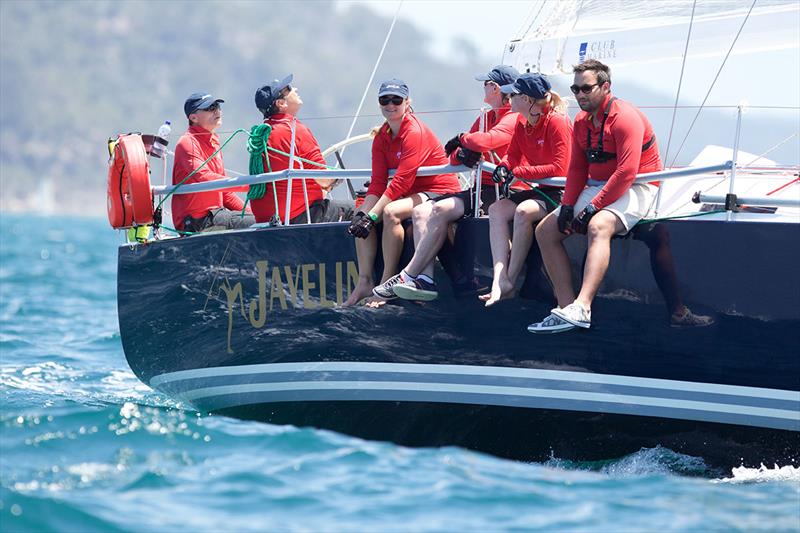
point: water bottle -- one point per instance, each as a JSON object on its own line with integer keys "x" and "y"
{"x": 159, "y": 141}
{"x": 165, "y": 130}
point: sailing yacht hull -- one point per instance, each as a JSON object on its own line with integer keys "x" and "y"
{"x": 248, "y": 324}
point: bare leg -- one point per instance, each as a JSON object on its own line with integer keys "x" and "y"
{"x": 442, "y": 213}
{"x": 526, "y": 216}
{"x": 365, "y": 251}
{"x": 393, "y": 232}
{"x": 602, "y": 227}
{"x": 556, "y": 261}
{"x": 501, "y": 213}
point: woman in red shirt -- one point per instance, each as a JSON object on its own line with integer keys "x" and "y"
{"x": 404, "y": 144}
{"x": 540, "y": 148}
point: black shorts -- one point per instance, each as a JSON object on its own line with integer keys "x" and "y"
{"x": 549, "y": 196}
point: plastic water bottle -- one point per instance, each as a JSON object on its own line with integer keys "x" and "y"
{"x": 165, "y": 129}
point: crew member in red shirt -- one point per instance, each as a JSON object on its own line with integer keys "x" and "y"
{"x": 405, "y": 144}
{"x": 202, "y": 211}
{"x": 612, "y": 141}
{"x": 279, "y": 102}
{"x": 432, "y": 219}
{"x": 539, "y": 149}
{"x": 488, "y": 141}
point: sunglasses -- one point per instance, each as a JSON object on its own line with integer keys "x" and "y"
{"x": 585, "y": 89}
{"x": 489, "y": 82}
{"x": 388, "y": 99}
{"x": 213, "y": 107}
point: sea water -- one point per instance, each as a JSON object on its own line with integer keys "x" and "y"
{"x": 84, "y": 446}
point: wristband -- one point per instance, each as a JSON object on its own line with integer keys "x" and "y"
{"x": 372, "y": 216}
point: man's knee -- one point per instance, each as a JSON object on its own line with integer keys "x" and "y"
{"x": 602, "y": 226}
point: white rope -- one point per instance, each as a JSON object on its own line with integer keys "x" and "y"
{"x": 372, "y": 76}
{"x": 716, "y": 77}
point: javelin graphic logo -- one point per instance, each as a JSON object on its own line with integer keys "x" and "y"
{"x": 582, "y": 52}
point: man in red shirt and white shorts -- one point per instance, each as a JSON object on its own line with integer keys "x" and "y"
{"x": 612, "y": 141}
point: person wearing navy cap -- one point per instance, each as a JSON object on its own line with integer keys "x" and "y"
{"x": 403, "y": 143}
{"x": 540, "y": 148}
{"x": 488, "y": 139}
{"x": 203, "y": 211}
{"x": 279, "y": 103}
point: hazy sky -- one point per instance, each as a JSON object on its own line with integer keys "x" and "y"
{"x": 489, "y": 25}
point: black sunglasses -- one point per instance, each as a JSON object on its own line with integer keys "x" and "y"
{"x": 585, "y": 89}
{"x": 213, "y": 107}
{"x": 390, "y": 99}
{"x": 490, "y": 82}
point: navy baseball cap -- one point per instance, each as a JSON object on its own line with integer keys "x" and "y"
{"x": 197, "y": 101}
{"x": 532, "y": 84}
{"x": 501, "y": 75}
{"x": 266, "y": 95}
{"x": 393, "y": 87}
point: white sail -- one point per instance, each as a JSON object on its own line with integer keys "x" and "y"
{"x": 644, "y": 44}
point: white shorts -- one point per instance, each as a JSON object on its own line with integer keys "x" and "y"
{"x": 629, "y": 208}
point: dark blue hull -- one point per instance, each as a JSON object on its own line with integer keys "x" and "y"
{"x": 244, "y": 324}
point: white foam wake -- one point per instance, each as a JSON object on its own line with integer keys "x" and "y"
{"x": 743, "y": 474}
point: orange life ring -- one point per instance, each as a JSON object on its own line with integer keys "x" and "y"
{"x": 130, "y": 200}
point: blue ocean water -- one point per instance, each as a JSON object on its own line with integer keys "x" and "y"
{"x": 84, "y": 446}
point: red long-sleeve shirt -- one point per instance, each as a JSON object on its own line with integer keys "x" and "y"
{"x": 414, "y": 146}
{"x": 500, "y": 124}
{"x": 542, "y": 150}
{"x": 626, "y": 131}
{"x": 193, "y": 148}
{"x": 307, "y": 147}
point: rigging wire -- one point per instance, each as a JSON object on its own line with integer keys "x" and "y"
{"x": 716, "y": 77}
{"x": 680, "y": 81}
{"x": 372, "y": 75}
{"x": 535, "y": 17}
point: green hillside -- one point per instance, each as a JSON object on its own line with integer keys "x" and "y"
{"x": 72, "y": 73}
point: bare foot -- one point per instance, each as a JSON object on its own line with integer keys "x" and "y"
{"x": 502, "y": 290}
{"x": 375, "y": 302}
{"x": 362, "y": 289}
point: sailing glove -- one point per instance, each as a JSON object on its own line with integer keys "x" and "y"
{"x": 502, "y": 173}
{"x": 361, "y": 227}
{"x": 565, "y": 218}
{"x": 451, "y": 145}
{"x": 581, "y": 223}
{"x": 468, "y": 158}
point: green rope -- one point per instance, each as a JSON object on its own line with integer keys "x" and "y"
{"x": 193, "y": 172}
{"x": 257, "y": 146}
{"x": 691, "y": 215}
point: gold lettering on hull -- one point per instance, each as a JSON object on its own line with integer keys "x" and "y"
{"x": 309, "y": 280}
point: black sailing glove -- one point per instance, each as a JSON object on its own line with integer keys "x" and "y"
{"x": 362, "y": 228}
{"x": 468, "y": 157}
{"x": 451, "y": 145}
{"x": 565, "y": 218}
{"x": 581, "y": 222}
{"x": 356, "y": 219}
{"x": 501, "y": 173}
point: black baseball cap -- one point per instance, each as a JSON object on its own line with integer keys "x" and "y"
{"x": 198, "y": 101}
{"x": 266, "y": 95}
